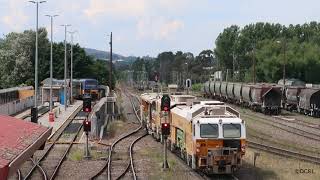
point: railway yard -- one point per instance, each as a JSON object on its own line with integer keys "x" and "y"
{"x": 282, "y": 146}
{"x": 188, "y": 90}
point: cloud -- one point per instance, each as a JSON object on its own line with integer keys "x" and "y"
{"x": 124, "y": 8}
{"x": 168, "y": 28}
{"x": 132, "y": 8}
{"x": 15, "y": 18}
{"x": 158, "y": 28}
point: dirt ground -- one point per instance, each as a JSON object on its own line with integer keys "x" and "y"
{"x": 274, "y": 167}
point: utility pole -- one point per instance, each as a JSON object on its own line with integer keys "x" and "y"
{"x": 110, "y": 77}
{"x": 71, "y": 64}
{"x": 285, "y": 62}
{"x": 284, "y": 71}
{"x": 51, "y": 60}
{"x": 254, "y": 65}
{"x": 65, "y": 65}
{"x": 233, "y": 66}
{"x": 35, "y": 109}
{"x": 284, "y": 46}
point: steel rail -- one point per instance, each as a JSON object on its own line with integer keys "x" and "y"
{"x": 299, "y": 122}
{"x": 285, "y": 127}
{"x": 55, "y": 172}
{"x": 58, "y": 133}
{"x": 41, "y": 169}
{"x": 284, "y": 152}
{"x": 19, "y": 174}
{"x": 109, "y": 160}
{"x": 129, "y": 134}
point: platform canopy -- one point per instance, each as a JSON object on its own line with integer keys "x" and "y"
{"x": 18, "y": 142}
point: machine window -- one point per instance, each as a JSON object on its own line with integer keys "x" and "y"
{"x": 231, "y": 130}
{"x": 209, "y": 130}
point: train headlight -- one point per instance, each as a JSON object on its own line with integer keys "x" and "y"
{"x": 198, "y": 145}
{"x": 243, "y": 148}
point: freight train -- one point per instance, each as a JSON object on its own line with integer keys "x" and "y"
{"x": 208, "y": 135}
{"x": 266, "y": 98}
{"x": 303, "y": 100}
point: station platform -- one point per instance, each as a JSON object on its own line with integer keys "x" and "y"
{"x": 61, "y": 116}
{"x": 18, "y": 142}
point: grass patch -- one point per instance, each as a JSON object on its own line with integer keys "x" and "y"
{"x": 98, "y": 154}
{"x": 197, "y": 87}
{"x": 66, "y": 135}
{"x": 113, "y": 126}
{"x": 269, "y": 166}
{"x": 156, "y": 157}
{"x": 76, "y": 154}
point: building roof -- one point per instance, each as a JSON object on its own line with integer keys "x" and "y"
{"x": 18, "y": 141}
{"x": 15, "y": 89}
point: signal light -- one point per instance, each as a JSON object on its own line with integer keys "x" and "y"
{"x": 165, "y": 129}
{"x": 87, "y": 125}
{"x": 86, "y": 104}
{"x": 165, "y": 103}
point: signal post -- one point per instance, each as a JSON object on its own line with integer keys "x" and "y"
{"x": 165, "y": 127}
{"x": 87, "y": 123}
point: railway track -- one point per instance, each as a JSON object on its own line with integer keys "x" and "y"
{"x": 284, "y": 152}
{"x": 298, "y": 122}
{"x": 284, "y": 126}
{"x": 42, "y": 111}
{"x": 53, "y": 139}
{"x": 130, "y": 139}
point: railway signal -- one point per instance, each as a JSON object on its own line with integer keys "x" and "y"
{"x": 188, "y": 85}
{"x": 87, "y": 129}
{"x": 165, "y": 103}
{"x": 86, "y": 104}
{"x": 165, "y": 129}
{"x": 87, "y": 126}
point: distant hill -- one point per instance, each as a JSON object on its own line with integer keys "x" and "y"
{"x": 98, "y": 54}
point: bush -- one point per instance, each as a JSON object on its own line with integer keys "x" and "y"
{"x": 197, "y": 87}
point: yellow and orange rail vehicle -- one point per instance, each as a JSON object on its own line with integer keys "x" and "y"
{"x": 209, "y": 135}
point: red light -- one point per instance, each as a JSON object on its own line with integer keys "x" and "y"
{"x": 165, "y": 125}
{"x": 87, "y": 122}
{"x": 165, "y": 108}
{"x": 87, "y": 109}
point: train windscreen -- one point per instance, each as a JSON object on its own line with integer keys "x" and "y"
{"x": 209, "y": 130}
{"x": 231, "y": 130}
{"x": 90, "y": 84}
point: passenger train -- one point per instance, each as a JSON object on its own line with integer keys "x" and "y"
{"x": 208, "y": 135}
{"x": 87, "y": 86}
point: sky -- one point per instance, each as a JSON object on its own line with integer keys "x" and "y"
{"x": 149, "y": 27}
